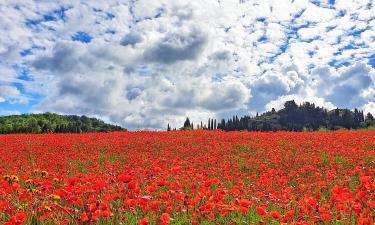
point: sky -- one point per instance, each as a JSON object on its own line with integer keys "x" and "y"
{"x": 142, "y": 64}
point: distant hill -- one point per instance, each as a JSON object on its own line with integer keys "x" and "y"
{"x": 306, "y": 116}
{"x": 53, "y": 123}
{"x": 293, "y": 117}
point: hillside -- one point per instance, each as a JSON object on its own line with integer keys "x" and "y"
{"x": 53, "y": 123}
{"x": 293, "y": 117}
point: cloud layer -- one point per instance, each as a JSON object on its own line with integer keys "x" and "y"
{"x": 144, "y": 64}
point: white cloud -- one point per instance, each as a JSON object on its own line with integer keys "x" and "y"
{"x": 11, "y": 94}
{"x": 7, "y": 74}
{"x": 314, "y": 13}
{"x": 369, "y": 108}
{"x": 344, "y": 88}
{"x": 9, "y": 112}
{"x": 349, "y": 87}
{"x": 279, "y": 102}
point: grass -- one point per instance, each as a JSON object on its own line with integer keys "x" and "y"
{"x": 251, "y": 217}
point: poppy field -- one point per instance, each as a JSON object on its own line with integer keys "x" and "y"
{"x": 188, "y": 177}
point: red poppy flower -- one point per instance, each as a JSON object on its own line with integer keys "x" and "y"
{"x": 143, "y": 221}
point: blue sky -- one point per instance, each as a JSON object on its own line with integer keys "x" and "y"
{"x": 143, "y": 64}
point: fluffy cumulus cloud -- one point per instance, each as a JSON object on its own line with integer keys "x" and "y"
{"x": 11, "y": 94}
{"x": 143, "y": 64}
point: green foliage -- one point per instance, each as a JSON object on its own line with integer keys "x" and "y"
{"x": 53, "y": 123}
{"x": 324, "y": 156}
{"x": 187, "y": 125}
{"x": 323, "y": 129}
{"x": 305, "y": 117}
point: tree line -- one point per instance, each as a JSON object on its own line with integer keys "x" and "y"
{"x": 292, "y": 117}
{"x": 53, "y": 123}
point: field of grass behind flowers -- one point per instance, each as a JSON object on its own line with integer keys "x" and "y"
{"x": 188, "y": 177}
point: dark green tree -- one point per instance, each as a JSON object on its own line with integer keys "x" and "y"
{"x": 168, "y": 128}
{"x": 369, "y": 117}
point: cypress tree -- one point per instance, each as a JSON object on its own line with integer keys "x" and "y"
{"x": 168, "y": 128}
